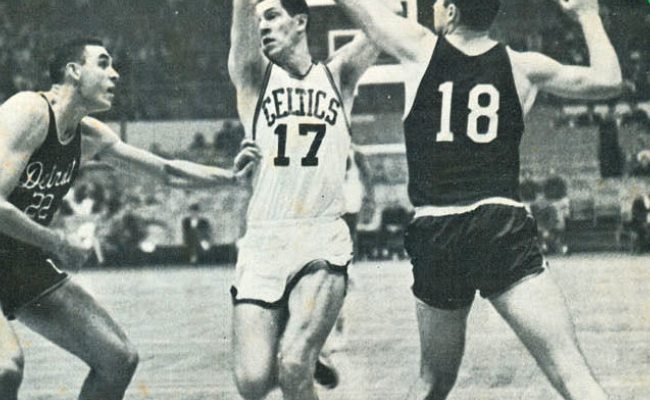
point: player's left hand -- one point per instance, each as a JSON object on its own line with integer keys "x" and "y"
{"x": 578, "y": 8}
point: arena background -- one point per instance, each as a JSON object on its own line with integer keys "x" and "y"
{"x": 582, "y": 161}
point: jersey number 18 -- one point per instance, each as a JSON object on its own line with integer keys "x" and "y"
{"x": 476, "y": 111}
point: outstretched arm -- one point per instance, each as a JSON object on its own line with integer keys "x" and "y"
{"x": 404, "y": 39}
{"x": 100, "y": 139}
{"x": 601, "y": 79}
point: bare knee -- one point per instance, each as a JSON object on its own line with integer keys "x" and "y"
{"x": 119, "y": 366}
{"x": 253, "y": 385}
{"x": 11, "y": 376}
{"x": 436, "y": 386}
{"x": 294, "y": 375}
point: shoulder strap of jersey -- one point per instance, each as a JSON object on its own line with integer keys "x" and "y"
{"x": 51, "y": 124}
{"x": 330, "y": 77}
{"x": 260, "y": 98}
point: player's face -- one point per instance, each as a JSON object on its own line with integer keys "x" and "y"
{"x": 97, "y": 79}
{"x": 279, "y": 31}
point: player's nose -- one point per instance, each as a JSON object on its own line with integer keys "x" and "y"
{"x": 114, "y": 75}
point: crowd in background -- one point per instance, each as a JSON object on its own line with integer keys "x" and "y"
{"x": 172, "y": 54}
{"x": 172, "y": 57}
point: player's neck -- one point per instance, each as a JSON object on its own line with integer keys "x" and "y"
{"x": 299, "y": 62}
{"x": 470, "y": 42}
{"x": 67, "y": 107}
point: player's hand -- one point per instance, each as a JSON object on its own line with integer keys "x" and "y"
{"x": 245, "y": 173}
{"x": 396, "y": 6}
{"x": 71, "y": 255}
{"x": 249, "y": 154}
{"x": 579, "y": 8}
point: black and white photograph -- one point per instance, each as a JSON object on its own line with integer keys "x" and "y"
{"x": 325, "y": 199}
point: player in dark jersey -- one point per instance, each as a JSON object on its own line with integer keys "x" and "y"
{"x": 43, "y": 137}
{"x": 466, "y": 96}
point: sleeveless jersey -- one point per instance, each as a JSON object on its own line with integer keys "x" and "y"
{"x": 48, "y": 176}
{"x": 464, "y": 129}
{"x": 302, "y": 130}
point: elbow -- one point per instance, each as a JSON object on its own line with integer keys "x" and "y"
{"x": 612, "y": 82}
{"x": 612, "y": 88}
{"x": 605, "y": 87}
{"x": 5, "y": 209}
{"x": 232, "y": 66}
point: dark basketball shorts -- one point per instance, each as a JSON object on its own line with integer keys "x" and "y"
{"x": 26, "y": 275}
{"x": 489, "y": 249}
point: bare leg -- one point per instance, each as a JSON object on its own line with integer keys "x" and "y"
{"x": 256, "y": 332}
{"x": 536, "y": 311}
{"x": 314, "y": 304}
{"x": 11, "y": 361}
{"x": 72, "y": 319}
{"x": 442, "y": 344}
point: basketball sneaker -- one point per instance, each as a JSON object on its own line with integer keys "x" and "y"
{"x": 325, "y": 373}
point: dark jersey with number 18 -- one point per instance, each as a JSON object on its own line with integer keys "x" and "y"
{"x": 464, "y": 129}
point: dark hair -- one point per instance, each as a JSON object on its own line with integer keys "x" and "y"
{"x": 477, "y": 15}
{"x": 294, "y": 7}
{"x": 72, "y": 50}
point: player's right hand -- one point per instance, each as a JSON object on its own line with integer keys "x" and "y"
{"x": 577, "y": 8}
{"x": 71, "y": 256}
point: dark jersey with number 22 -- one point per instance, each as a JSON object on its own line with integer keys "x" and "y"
{"x": 464, "y": 129}
{"x": 46, "y": 179}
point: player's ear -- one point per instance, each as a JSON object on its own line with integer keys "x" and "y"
{"x": 73, "y": 70}
{"x": 302, "y": 19}
{"x": 452, "y": 13}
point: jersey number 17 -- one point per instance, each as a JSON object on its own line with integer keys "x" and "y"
{"x": 311, "y": 158}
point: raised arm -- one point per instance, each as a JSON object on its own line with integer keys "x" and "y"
{"x": 23, "y": 128}
{"x": 101, "y": 139}
{"x": 404, "y": 39}
{"x": 350, "y": 62}
{"x": 246, "y": 62}
{"x": 601, "y": 79}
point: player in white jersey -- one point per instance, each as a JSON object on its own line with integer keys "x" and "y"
{"x": 291, "y": 271}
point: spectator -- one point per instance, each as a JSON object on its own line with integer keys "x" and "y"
{"x": 640, "y": 224}
{"x": 642, "y": 167}
{"x": 609, "y": 150}
{"x": 196, "y": 234}
{"x": 551, "y": 212}
{"x": 359, "y": 194}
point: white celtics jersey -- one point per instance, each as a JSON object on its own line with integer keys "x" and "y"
{"x": 302, "y": 130}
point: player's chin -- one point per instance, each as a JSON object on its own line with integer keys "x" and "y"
{"x": 104, "y": 104}
{"x": 271, "y": 53}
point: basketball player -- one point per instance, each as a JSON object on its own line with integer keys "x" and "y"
{"x": 466, "y": 97}
{"x": 291, "y": 270}
{"x": 42, "y": 139}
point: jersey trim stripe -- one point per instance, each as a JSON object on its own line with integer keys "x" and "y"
{"x": 330, "y": 77}
{"x": 53, "y": 119}
{"x": 260, "y": 97}
{"x": 439, "y": 211}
